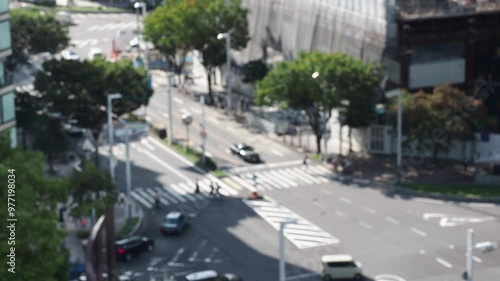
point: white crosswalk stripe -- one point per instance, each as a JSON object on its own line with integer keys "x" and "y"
{"x": 183, "y": 192}
{"x": 303, "y": 234}
{"x": 283, "y": 178}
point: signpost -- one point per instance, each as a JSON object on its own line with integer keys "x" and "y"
{"x": 187, "y": 119}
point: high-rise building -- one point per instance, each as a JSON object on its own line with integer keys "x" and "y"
{"x": 7, "y": 96}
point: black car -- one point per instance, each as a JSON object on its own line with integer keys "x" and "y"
{"x": 133, "y": 246}
{"x": 246, "y": 152}
{"x": 174, "y": 222}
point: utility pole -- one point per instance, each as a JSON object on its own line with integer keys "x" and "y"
{"x": 128, "y": 171}
{"x": 470, "y": 253}
{"x": 203, "y": 129}
{"x": 170, "y": 117}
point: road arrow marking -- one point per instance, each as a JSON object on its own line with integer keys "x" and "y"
{"x": 447, "y": 220}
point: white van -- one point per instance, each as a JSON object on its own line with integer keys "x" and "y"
{"x": 340, "y": 267}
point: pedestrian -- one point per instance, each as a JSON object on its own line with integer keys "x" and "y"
{"x": 197, "y": 190}
{"x": 211, "y": 188}
{"x": 305, "y": 162}
{"x": 217, "y": 188}
{"x": 157, "y": 199}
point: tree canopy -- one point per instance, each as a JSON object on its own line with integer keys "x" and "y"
{"x": 434, "y": 120}
{"x": 78, "y": 90}
{"x": 39, "y": 255}
{"x": 181, "y": 26}
{"x": 340, "y": 77}
{"x": 33, "y": 32}
{"x": 254, "y": 71}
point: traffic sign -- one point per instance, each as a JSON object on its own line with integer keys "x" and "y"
{"x": 203, "y": 134}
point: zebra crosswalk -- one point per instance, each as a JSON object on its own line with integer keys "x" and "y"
{"x": 87, "y": 42}
{"x": 283, "y": 178}
{"x": 303, "y": 234}
{"x": 182, "y": 192}
{"x": 113, "y": 26}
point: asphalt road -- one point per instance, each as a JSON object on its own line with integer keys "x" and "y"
{"x": 396, "y": 239}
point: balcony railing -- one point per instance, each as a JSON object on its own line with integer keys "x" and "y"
{"x": 443, "y": 8}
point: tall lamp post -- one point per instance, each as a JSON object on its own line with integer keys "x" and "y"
{"x": 391, "y": 94}
{"x": 326, "y": 133}
{"x": 170, "y": 117}
{"x": 227, "y": 35}
{"x": 283, "y": 224}
{"x": 111, "y": 97}
{"x": 142, "y": 5}
{"x": 482, "y": 246}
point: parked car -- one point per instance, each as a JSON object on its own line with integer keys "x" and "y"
{"x": 236, "y": 148}
{"x": 70, "y": 55}
{"x": 340, "y": 267}
{"x": 174, "y": 222}
{"x": 211, "y": 275}
{"x": 133, "y": 246}
{"x": 95, "y": 53}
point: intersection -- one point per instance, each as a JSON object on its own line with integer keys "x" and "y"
{"x": 396, "y": 239}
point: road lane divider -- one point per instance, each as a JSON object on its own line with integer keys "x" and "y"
{"x": 392, "y": 220}
{"x": 161, "y": 162}
{"x": 146, "y": 144}
{"x": 345, "y": 200}
{"x": 365, "y": 225}
{"x": 418, "y": 231}
{"x": 444, "y": 263}
{"x": 371, "y": 211}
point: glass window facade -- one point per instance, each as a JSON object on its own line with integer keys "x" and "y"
{"x": 5, "y": 40}
{"x": 13, "y": 137}
{"x": 8, "y": 107}
{"x": 4, "y": 6}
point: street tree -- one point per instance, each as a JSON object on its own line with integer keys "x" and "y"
{"x": 291, "y": 85}
{"x": 34, "y": 31}
{"x": 435, "y": 120}
{"x": 91, "y": 189}
{"x": 254, "y": 71}
{"x": 27, "y": 113}
{"x": 38, "y": 240}
{"x": 181, "y": 26}
{"x": 49, "y": 137}
{"x": 78, "y": 90}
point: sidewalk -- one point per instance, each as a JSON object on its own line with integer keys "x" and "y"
{"x": 74, "y": 244}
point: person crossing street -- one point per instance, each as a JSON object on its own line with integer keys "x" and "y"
{"x": 197, "y": 190}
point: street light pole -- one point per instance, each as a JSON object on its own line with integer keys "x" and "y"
{"x": 203, "y": 130}
{"x": 128, "y": 171}
{"x": 227, "y": 35}
{"x": 170, "y": 117}
{"x": 391, "y": 94}
{"x": 283, "y": 224}
{"x": 111, "y": 97}
{"x": 469, "y": 253}
{"x": 142, "y": 5}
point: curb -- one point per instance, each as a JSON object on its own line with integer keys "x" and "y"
{"x": 443, "y": 197}
{"x": 139, "y": 223}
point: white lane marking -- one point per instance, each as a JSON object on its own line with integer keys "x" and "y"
{"x": 422, "y": 252}
{"x": 371, "y": 211}
{"x": 277, "y": 152}
{"x": 326, "y": 191}
{"x": 340, "y": 214}
{"x": 174, "y": 259}
{"x": 393, "y": 220}
{"x": 451, "y": 246}
{"x": 418, "y": 231}
{"x": 365, "y": 225}
{"x": 178, "y": 100}
{"x": 319, "y": 204}
{"x": 305, "y": 275}
{"x": 482, "y": 205}
{"x": 211, "y": 255}
{"x": 388, "y": 277}
{"x": 345, "y": 200}
{"x": 447, "y": 220}
{"x": 476, "y": 259}
{"x": 231, "y": 129}
{"x": 195, "y": 253}
{"x": 146, "y": 144}
{"x": 444, "y": 263}
{"x": 154, "y": 157}
{"x": 165, "y": 115}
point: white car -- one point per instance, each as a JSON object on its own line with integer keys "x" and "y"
{"x": 64, "y": 17}
{"x": 340, "y": 267}
{"x": 70, "y": 55}
{"x": 95, "y": 52}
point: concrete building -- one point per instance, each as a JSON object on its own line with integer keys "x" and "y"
{"x": 7, "y": 97}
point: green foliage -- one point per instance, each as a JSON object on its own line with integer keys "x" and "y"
{"x": 39, "y": 255}
{"x": 340, "y": 77}
{"x": 181, "y": 26}
{"x": 79, "y": 89}
{"x": 85, "y": 186}
{"x": 82, "y": 234}
{"x": 468, "y": 190}
{"x": 127, "y": 228}
{"x": 435, "y": 120}
{"x": 34, "y": 31}
{"x": 50, "y": 138}
{"x": 254, "y": 71}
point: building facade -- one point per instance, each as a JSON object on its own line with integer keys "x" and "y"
{"x": 7, "y": 96}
